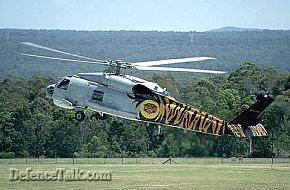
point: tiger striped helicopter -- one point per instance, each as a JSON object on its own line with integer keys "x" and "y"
{"x": 136, "y": 99}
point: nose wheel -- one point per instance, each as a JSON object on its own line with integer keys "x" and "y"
{"x": 80, "y": 116}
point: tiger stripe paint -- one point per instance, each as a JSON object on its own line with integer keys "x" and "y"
{"x": 156, "y": 108}
{"x": 170, "y": 112}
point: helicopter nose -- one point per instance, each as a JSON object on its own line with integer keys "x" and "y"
{"x": 49, "y": 90}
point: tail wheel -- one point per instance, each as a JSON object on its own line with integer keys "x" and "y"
{"x": 80, "y": 116}
{"x": 159, "y": 137}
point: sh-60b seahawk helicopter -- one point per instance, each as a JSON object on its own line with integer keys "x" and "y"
{"x": 133, "y": 98}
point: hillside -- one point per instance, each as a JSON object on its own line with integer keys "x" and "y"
{"x": 264, "y": 48}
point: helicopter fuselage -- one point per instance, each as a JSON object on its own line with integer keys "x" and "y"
{"x": 137, "y": 99}
{"x": 130, "y": 98}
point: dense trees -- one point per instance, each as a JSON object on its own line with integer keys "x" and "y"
{"x": 31, "y": 126}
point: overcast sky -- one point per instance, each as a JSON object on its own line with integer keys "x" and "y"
{"x": 162, "y": 15}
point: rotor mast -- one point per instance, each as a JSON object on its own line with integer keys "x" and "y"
{"x": 118, "y": 67}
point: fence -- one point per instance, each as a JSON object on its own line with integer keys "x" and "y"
{"x": 232, "y": 160}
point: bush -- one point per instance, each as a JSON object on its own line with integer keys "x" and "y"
{"x": 7, "y": 155}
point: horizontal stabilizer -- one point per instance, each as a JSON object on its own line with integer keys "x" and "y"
{"x": 250, "y": 131}
{"x": 247, "y": 124}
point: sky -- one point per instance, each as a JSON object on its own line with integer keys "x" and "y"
{"x": 161, "y": 15}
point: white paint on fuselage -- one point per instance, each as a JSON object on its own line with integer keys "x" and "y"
{"x": 115, "y": 100}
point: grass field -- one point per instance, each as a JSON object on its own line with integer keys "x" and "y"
{"x": 158, "y": 176}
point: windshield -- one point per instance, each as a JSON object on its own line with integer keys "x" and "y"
{"x": 63, "y": 84}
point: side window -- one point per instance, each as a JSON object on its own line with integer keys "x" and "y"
{"x": 63, "y": 84}
{"x": 143, "y": 91}
{"x": 98, "y": 95}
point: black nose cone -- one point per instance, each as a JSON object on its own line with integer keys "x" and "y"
{"x": 49, "y": 91}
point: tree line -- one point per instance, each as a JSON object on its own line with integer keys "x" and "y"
{"x": 31, "y": 126}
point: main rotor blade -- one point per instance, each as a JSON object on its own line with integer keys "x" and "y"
{"x": 63, "y": 59}
{"x": 179, "y": 70}
{"x": 59, "y": 51}
{"x": 171, "y": 61}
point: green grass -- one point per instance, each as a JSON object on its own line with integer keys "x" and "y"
{"x": 157, "y": 176}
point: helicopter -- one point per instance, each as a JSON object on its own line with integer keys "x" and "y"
{"x": 133, "y": 98}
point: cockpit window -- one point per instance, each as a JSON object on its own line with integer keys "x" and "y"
{"x": 63, "y": 84}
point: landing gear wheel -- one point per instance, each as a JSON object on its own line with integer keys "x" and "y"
{"x": 159, "y": 137}
{"x": 80, "y": 116}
